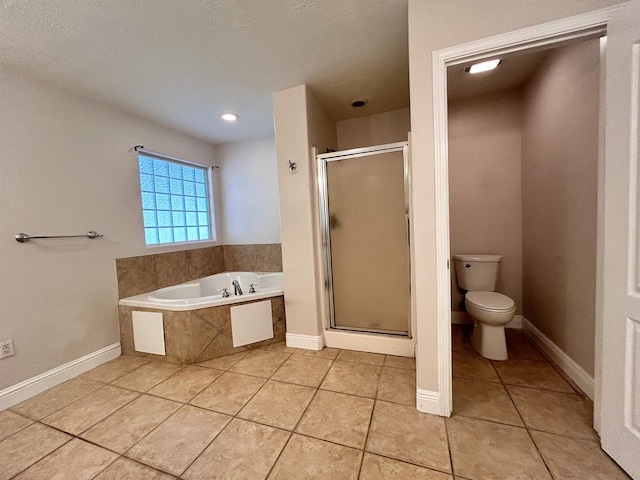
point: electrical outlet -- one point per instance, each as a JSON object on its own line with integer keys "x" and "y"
{"x": 6, "y": 348}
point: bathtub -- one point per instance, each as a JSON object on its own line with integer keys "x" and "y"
{"x": 206, "y": 292}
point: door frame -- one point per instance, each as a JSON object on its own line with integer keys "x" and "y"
{"x": 555, "y": 32}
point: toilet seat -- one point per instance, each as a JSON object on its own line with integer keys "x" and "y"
{"x": 490, "y": 301}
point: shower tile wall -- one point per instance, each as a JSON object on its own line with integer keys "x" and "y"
{"x": 149, "y": 272}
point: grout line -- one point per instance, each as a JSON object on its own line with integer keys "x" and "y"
{"x": 299, "y": 420}
{"x": 44, "y": 456}
{"x": 446, "y": 433}
{"x": 366, "y": 438}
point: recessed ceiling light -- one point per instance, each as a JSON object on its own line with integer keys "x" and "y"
{"x": 359, "y": 103}
{"x": 483, "y": 67}
{"x": 229, "y": 117}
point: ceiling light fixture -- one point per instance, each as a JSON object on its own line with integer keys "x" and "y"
{"x": 230, "y": 117}
{"x": 483, "y": 67}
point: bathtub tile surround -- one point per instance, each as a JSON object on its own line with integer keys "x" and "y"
{"x": 149, "y": 272}
{"x": 198, "y": 335}
{"x": 253, "y": 258}
{"x": 244, "y": 426}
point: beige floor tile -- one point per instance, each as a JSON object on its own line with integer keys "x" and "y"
{"x": 573, "y": 459}
{"x": 400, "y": 362}
{"x": 26, "y": 447}
{"x": 279, "y": 347}
{"x": 338, "y": 418}
{"x": 484, "y": 400}
{"x": 278, "y": 404}
{"x": 175, "y": 444}
{"x": 555, "y": 412}
{"x": 481, "y": 449}
{"x": 461, "y": 340}
{"x": 186, "y": 384}
{"x": 397, "y": 385}
{"x": 301, "y": 370}
{"x": 360, "y": 357}
{"x": 115, "y": 369}
{"x": 243, "y": 451}
{"x": 89, "y": 410}
{"x": 56, "y": 398}
{"x": 520, "y": 347}
{"x": 224, "y": 363}
{"x": 229, "y": 393}
{"x": 330, "y": 353}
{"x": 11, "y": 423}
{"x": 260, "y": 363}
{"x": 473, "y": 366}
{"x": 352, "y": 378}
{"x": 147, "y": 376}
{"x": 529, "y": 373}
{"x": 375, "y": 467}
{"x": 125, "y": 469}
{"x": 127, "y": 426}
{"x": 403, "y": 433}
{"x": 77, "y": 459}
{"x": 305, "y": 458}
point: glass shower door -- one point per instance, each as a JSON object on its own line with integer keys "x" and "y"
{"x": 366, "y": 238}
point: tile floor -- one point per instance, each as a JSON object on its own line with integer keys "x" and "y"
{"x": 283, "y": 413}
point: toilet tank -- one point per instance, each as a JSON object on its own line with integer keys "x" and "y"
{"x": 477, "y": 272}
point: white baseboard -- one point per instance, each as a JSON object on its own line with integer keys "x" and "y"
{"x": 461, "y": 318}
{"x": 306, "y": 342}
{"x": 428, "y": 401}
{"x": 35, "y": 385}
{"x": 574, "y": 371}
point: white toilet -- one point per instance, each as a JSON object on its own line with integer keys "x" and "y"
{"x": 490, "y": 310}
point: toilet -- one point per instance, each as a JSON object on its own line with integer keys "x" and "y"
{"x": 490, "y": 310}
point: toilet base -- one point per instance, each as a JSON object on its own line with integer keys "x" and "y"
{"x": 489, "y": 341}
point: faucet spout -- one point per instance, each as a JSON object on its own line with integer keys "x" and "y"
{"x": 236, "y": 288}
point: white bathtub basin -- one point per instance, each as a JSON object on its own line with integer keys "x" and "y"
{"x": 204, "y": 292}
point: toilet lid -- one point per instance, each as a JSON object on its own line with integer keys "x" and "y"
{"x": 490, "y": 300}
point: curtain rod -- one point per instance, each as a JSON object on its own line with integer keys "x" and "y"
{"x": 161, "y": 156}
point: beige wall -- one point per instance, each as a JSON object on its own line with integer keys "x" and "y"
{"x": 66, "y": 169}
{"x": 249, "y": 181}
{"x": 559, "y": 197}
{"x": 378, "y": 129}
{"x": 456, "y": 23}
{"x": 300, "y": 123}
{"x": 485, "y": 207}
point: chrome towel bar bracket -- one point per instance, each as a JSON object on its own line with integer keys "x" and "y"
{"x": 23, "y": 237}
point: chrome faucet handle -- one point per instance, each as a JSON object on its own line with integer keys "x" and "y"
{"x": 251, "y": 289}
{"x": 225, "y": 294}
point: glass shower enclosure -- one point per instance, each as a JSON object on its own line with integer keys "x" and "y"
{"x": 364, "y": 215}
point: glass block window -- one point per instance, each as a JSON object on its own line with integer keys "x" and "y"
{"x": 175, "y": 201}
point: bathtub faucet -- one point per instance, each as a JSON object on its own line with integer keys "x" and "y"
{"x": 236, "y": 288}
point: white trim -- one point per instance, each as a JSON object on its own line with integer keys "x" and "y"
{"x": 463, "y": 318}
{"x": 427, "y": 401}
{"x": 306, "y": 342}
{"x": 35, "y": 385}
{"x": 577, "y": 26}
{"x": 574, "y": 371}
{"x": 369, "y": 342}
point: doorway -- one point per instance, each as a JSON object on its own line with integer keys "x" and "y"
{"x": 535, "y": 38}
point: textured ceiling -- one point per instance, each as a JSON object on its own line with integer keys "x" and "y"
{"x": 514, "y": 71}
{"x": 183, "y": 63}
